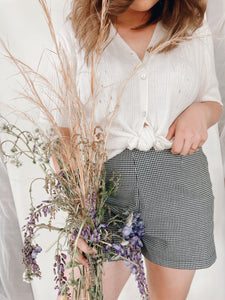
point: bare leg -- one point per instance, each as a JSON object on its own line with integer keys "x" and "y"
{"x": 164, "y": 283}
{"x": 116, "y": 274}
{"x": 168, "y": 283}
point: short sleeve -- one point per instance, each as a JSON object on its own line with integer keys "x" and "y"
{"x": 51, "y": 94}
{"x": 209, "y": 86}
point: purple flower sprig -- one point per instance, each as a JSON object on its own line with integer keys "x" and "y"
{"x": 60, "y": 278}
{"x": 29, "y": 259}
{"x": 91, "y": 206}
{"x": 130, "y": 249}
{"x": 61, "y": 176}
{"x": 92, "y": 236}
{"x": 88, "y": 233}
{"x": 31, "y": 250}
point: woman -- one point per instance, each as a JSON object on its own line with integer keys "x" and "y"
{"x": 156, "y": 142}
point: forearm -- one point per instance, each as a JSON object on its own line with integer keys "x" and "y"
{"x": 213, "y": 112}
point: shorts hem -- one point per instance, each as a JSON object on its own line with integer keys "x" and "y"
{"x": 188, "y": 265}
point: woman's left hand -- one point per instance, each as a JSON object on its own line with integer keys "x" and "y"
{"x": 190, "y": 130}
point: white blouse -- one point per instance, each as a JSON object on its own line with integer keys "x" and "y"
{"x": 161, "y": 88}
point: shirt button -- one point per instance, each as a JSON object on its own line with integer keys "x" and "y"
{"x": 144, "y": 114}
{"x": 143, "y": 76}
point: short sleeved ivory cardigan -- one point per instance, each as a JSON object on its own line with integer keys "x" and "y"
{"x": 161, "y": 88}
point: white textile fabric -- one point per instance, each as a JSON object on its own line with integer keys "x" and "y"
{"x": 216, "y": 19}
{"x": 161, "y": 88}
{"x": 12, "y": 286}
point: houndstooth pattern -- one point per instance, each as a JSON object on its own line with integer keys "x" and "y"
{"x": 174, "y": 195}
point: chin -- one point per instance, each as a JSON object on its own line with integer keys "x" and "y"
{"x": 143, "y": 5}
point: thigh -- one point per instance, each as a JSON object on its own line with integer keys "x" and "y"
{"x": 168, "y": 283}
{"x": 115, "y": 276}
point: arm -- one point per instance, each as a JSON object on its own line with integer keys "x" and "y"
{"x": 213, "y": 111}
{"x": 190, "y": 127}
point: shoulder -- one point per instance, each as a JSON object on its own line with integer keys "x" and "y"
{"x": 203, "y": 33}
{"x": 63, "y": 49}
{"x": 202, "y": 41}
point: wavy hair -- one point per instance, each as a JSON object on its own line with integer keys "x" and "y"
{"x": 91, "y": 19}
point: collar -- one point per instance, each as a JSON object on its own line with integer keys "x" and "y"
{"x": 119, "y": 49}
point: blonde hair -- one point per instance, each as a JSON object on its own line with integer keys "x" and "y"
{"x": 91, "y": 19}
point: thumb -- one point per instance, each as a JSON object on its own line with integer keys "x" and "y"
{"x": 171, "y": 131}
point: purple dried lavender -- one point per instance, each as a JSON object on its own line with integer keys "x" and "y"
{"x": 58, "y": 185}
{"x": 36, "y": 250}
{"x": 34, "y": 149}
{"x": 91, "y": 206}
{"x": 60, "y": 278}
{"x": 107, "y": 248}
{"x": 130, "y": 248}
{"x": 30, "y": 251}
{"x": 29, "y": 259}
{"x": 87, "y": 235}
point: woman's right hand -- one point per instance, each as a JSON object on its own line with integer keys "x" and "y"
{"x": 83, "y": 247}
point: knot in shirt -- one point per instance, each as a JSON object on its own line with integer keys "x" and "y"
{"x": 147, "y": 138}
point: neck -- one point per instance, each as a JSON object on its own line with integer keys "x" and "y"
{"x": 132, "y": 18}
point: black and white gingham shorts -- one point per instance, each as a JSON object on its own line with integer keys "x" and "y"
{"x": 174, "y": 195}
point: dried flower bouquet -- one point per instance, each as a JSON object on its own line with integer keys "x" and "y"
{"x": 77, "y": 187}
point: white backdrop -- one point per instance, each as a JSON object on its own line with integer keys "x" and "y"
{"x": 23, "y": 26}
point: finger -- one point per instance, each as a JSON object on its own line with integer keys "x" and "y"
{"x": 191, "y": 151}
{"x": 81, "y": 259}
{"x": 201, "y": 143}
{"x": 171, "y": 132}
{"x": 83, "y": 246}
{"x": 186, "y": 147}
{"x": 195, "y": 146}
{"x": 177, "y": 143}
{"x": 202, "y": 139}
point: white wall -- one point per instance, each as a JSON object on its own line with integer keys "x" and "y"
{"x": 22, "y": 25}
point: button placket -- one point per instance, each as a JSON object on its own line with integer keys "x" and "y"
{"x": 143, "y": 76}
{"x": 144, "y": 96}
